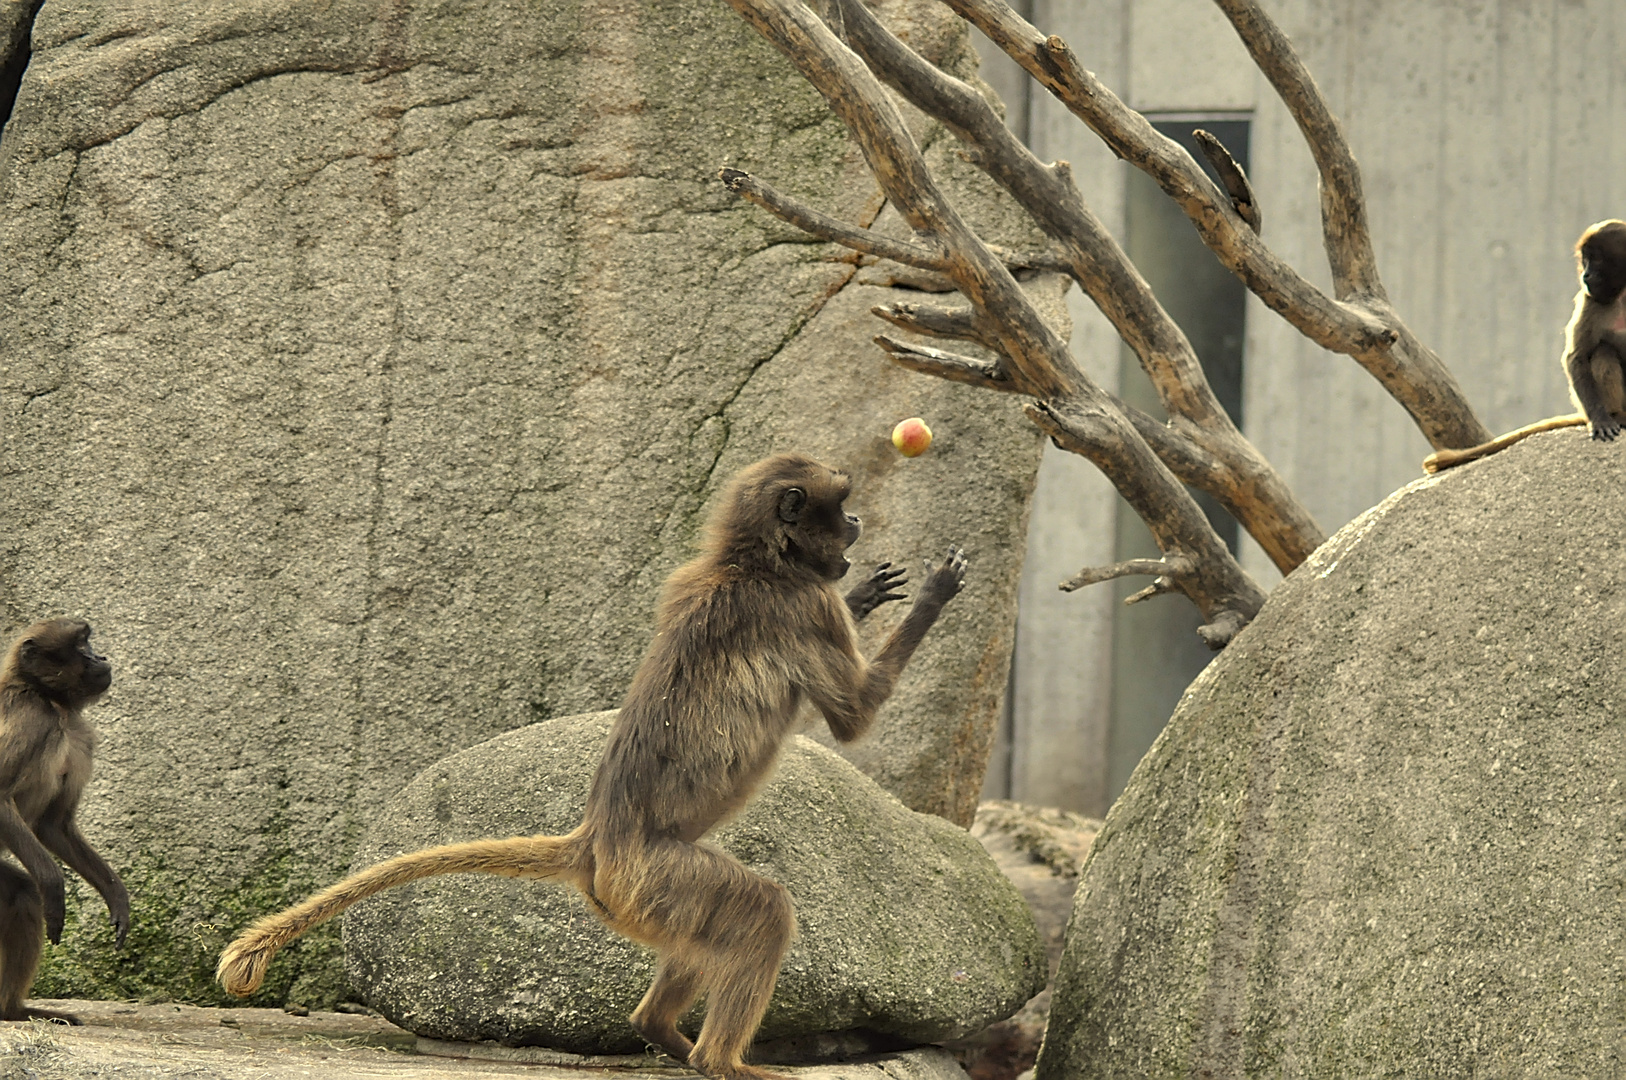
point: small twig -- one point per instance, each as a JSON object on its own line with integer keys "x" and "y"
{"x": 825, "y": 227}
{"x": 1231, "y": 175}
{"x": 1159, "y": 587}
{"x": 1054, "y": 261}
{"x": 959, "y": 323}
{"x": 1225, "y": 626}
{"x": 946, "y": 365}
{"x": 1172, "y": 566}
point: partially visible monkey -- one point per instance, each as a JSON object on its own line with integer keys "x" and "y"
{"x": 49, "y": 675}
{"x": 744, "y": 634}
{"x": 1594, "y": 349}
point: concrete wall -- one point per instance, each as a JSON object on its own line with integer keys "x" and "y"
{"x": 1489, "y": 138}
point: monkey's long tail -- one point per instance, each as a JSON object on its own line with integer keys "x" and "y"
{"x": 244, "y": 962}
{"x": 1446, "y": 459}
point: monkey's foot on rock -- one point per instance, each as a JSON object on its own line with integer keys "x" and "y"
{"x": 671, "y": 1042}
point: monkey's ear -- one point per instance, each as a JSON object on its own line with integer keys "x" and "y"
{"x": 790, "y": 505}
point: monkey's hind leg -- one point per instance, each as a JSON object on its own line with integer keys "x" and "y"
{"x": 22, "y": 939}
{"x": 1608, "y": 377}
{"x": 677, "y": 983}
{"x": 720, "y": 930}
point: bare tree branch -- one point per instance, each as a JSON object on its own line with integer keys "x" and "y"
{"x": 934, "y": 321}
{"x": 1232, "y": 176}
{"x": 1359, "y": 323}
{"x": 817, "y": 223}
{"x": 1070, "y": 405}
{"x": 1172, "y": 565}
{"x": 1343, "y": 205}
{"x": 822, "y": 225}
{"x": 947, "y": 365}
{"x": 1227, "y": 465}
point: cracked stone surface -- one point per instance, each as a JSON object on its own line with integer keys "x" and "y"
{"x": 1383, "y": 833}
{"x": 365, "y": 368}
{"x": 906, "y": 928}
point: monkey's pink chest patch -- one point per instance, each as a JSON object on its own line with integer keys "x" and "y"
{"x": 1619, "y": 325}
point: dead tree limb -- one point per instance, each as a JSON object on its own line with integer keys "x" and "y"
{"x": 1233, "y": 471}
{"x": 1243, "y": 200}
{"x": 947, "y": 365}
{"x": 1358, "y": 321}
{"x": 1068, "y": 404}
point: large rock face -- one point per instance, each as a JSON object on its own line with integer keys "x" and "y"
{"x": 364, "y": 370}
{"x": 1385, "y": 832}
{"x": 906, "y": 928}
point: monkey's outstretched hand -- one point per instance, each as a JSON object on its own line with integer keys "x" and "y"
{"x": 944, "y": 581}
{"x": 876, "y": 589}
{"x": 1606, "y": 429}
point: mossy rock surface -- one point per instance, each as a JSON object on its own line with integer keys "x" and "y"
{"x": 1384, "y": 834}
{"x": 906, "y": 927}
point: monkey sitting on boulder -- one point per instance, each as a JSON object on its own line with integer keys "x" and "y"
{"x": 744, "y": 634}
{"x": 1594, "y": 349}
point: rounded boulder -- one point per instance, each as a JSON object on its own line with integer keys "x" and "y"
{"x": 907, "y": 931}
{"x": 1384, "y": 833}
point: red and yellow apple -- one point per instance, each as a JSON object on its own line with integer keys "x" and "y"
{"x": 912, "y": 437}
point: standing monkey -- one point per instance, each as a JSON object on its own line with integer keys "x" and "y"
{"x": 1594, "y": 349}
{"x": 744, "y": 634}
{"x": 49, "y": 675}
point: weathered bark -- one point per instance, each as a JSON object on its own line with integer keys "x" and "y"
{"x": 1235, "y": 473}
{"x": 1029, "y": 356}
{"x": 1359, "y": 322}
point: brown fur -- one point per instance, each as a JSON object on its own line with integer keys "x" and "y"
{"x": 744, "y": 634}
{"x": 49, "y": 675}
{"x": 1594, "y": 349}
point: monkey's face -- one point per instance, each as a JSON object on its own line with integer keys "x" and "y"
{"x": 786, "y": 509}
{"x": 56, "y": 657}
{"x": 1602, "y": 253}
{"x": 819, "y": 528}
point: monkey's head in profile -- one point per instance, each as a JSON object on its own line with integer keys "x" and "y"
{"x": 1602, "y": 255}
{"x": 55, "y": 659}
{"x": 783, "y": 513}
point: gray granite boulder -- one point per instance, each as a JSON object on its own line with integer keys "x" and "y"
{"x": 365, "y": 369}
{"x": 1384, "y": 833}
{"x": 907, "y": 931}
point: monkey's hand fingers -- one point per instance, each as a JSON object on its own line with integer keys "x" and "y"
{"x": 885, "y": 580}
{"x": 887, "y": 576}
{"x": 945, "y": 581}
{"x": 1606, "y": 430}
{"x": 877, "y": 589}
{"x": 120, "y": 916}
